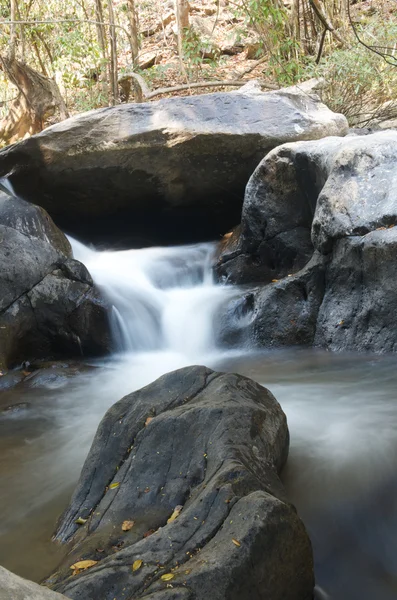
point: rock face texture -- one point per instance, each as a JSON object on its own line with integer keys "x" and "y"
{"x": 318, "y": 228}
{"x": 211, "y": 446}
{"x": 13, "y": 587}
{"x": 48, "y": 304}
{"x": 165, "y": 171}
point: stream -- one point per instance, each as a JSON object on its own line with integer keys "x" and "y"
{"x": 341, "y": 409}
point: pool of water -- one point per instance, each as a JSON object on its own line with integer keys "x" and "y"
{"x": 341, "y": 472}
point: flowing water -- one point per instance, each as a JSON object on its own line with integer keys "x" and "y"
{"x": 342, "y": 415}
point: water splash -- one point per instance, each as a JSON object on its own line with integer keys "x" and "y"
{"x": 163, "y": 298}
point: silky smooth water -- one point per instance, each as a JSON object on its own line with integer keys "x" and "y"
{"x": 342, "y": 415}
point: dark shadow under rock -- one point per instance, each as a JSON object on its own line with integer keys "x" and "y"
{"x": 214, "y": 444}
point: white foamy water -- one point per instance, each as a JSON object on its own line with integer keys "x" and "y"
{"x": 164, "y": 299}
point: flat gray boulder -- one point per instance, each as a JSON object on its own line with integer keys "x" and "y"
{"x": 330, "y": 204}
{"x": 49, "y": 306}
{"x": 182, "y": 497}
{"x": 167, "y": 170}
{"x": 13, "y": 587}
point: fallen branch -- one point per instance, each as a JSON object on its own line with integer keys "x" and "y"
{"x": 146, "y": 94}
{"x": 166, "y": 20}
{"x": 253, "y": 66}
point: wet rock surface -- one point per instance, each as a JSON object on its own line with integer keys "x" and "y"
{"x": 211, "y": 444}
{"x": 49, "y": 306}
{"x": 334, "y": 202}
{"x": 167, "y": 171}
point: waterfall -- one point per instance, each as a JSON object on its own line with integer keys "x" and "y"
{"x": 164, "y": 299}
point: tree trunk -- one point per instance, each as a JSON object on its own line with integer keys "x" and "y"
{"x": 113, "y": 54}
{"x": 102, "y": 42}
{"x": 134, "y": 31}
{"x": 182, "y": 15}
{"x": 182, "y": 23}
{"x": 38, "y": 98}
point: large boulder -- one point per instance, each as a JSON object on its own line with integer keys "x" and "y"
{"x": 13, "y": 587}
{"x": 49, "y": 306}
{"x": 182, "y": 497}
{"x": 336, "y": 199}
{"x": 169, "y": 170}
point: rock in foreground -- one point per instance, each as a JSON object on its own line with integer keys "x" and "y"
{"x": 318, "y": 227}
{"x": 13, "y": 587}
{"x": 171, "y": 170}
{"x": 211, "y": 444}
{"x": 49, "y": 306}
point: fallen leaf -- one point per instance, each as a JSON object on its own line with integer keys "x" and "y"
{"x": 176, "y": 513}
{"x": 82, "y": 565}
{"x": 137, "y": 564}
{"x": 274, "y": 280}
{"x": 127, "y": 525}
{"x": 146, "y": 490}
{"x": 236, "y": 542}
{"x": 115, "y": 485}
{"x": 147, "y": 533}
{"x": 167, "y": 576}
{"x": 148, "y": 421}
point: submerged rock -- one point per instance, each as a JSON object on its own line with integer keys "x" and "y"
{"x": 13, "y": 587}
{"x": 171, "y": 170}
{"x": 182, "y": 494}
{"x": 49, "y": 306}
{"x": 334, "y": 200}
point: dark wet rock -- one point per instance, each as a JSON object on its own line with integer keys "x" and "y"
{"x": 49, "y": 306}
{"x": 170, "y": 170}
{"x": 13, "y": 587}
{"x": 335, "y": 197}
{"x": 283, "y": 313}
{"x": 215, "y": 445}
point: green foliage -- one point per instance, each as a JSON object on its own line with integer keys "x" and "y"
{"x": 360, "y": 82}
{"x": 197, "y": 51}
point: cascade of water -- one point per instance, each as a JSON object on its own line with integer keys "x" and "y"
{"x": 6, "y": 186}
{"x": 163, "y": 298}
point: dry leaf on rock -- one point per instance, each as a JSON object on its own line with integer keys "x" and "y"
{"x": 114, "y": 485}
{"x": 175, "y": 514}
{"x": 167, "y": 576}
{"x": 127, "y": 525}
{"x": 137, "y": 564}
{"x": 236, "y": 542}
{"x": 82, "y": 565}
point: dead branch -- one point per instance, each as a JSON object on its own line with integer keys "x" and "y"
{"x": 146, "y": 94}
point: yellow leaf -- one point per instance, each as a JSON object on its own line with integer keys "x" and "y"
{"x": 115, "y": 485}
{"x": 80, "y": 521}
{"x": 167, "y": 576}
{"x": 83, "y": 564}
{"x": 148, "y": 421}
{"x": 274, "y": 280}
{"x": 137, "y": 564}
{"x": 127, "y": 525}
{"x": 236, "y": 542}
{"x": 175, "y": 514}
